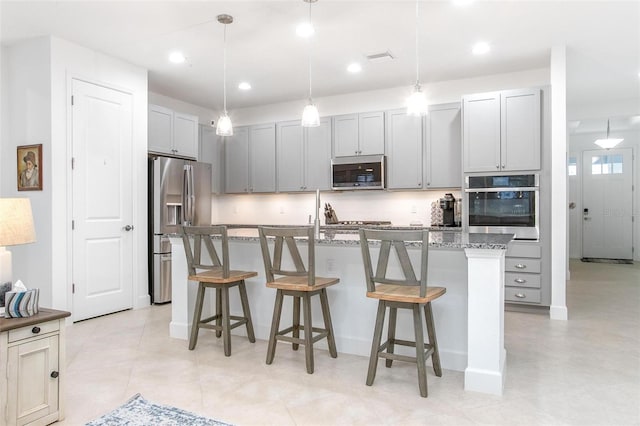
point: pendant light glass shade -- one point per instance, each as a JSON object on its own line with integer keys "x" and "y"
{"x": 224, "y": 127}
{"x": 608, "y": 143}
{"x": 310, "y": 115}
{"x": 417, "y": 104}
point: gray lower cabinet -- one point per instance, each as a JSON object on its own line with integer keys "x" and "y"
{"x": 358, "y": 134}
{"x": 303, "y": 156}
{"x": 212, "y": 152}
{"x": 501, "y": 131}
{"x": 404, "y": 150}
{"x": 250, "y": 159}
{"x": 526, "y": 281}
{"x": 443, "y": 147}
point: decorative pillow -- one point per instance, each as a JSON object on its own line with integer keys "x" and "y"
{"x": 19, "y": 304}
{"x": 3, "y": 289}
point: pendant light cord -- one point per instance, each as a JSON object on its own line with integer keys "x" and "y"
{"x": 224, "y": 70}
{"x": 417, "y": 42}
{"x": 309, "y": 53}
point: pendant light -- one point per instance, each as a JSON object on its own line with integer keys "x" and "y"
{"x": 417, "y": 102}
{"x": 224, "y": 127}
{"x": 310, "y": 114}
{"x": 607, "y": 143}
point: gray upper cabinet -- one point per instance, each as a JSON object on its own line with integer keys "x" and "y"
{"x": 172, "y": 133}
{"x": 262, "y": 158}
{"x": 236, "y": 167}
{"x": 358, "y": 134}
{"x": 443, "y": 146}
{"x": 501, "y": 131}
{"x": 212, "y": 152}
{"x": 303, "y": 156}
{"x": 404, "y": 150}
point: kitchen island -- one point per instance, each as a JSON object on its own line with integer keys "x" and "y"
{"x": 469, "y": 318}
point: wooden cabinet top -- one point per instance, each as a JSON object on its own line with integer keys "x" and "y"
{"x": 43, "y": 315}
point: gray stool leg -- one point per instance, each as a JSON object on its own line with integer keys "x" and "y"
{"x": 197, "y": 312}
{"x": 431, "y": 332}
{"x": 275, "y": 324}
{"x": 296, "y": 321}
{"x": 324, "y": 302}
{"x": 393, "y": 314}
{"x": 247, "y": 312}
{"x": 422, "y": 370}
{"x": 218, "y": 312}
{"x": 226, "y": 322}
{"x": 308, "y": 333}
{"x": 375, "y": 346}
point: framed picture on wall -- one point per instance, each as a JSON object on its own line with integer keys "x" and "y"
{"x": 29, "y": 168}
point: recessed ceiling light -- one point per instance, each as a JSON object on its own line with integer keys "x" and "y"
{"x": 177, "y": 57}
{"x": 480, "y": 48}
{"x": 462, "y": 3}
{"x": 244, "y": 86}
{"x": 305, "y": 29}
{"x": 354, "y": 68}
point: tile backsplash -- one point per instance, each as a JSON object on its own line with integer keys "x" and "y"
{"x": 399, "y": 207}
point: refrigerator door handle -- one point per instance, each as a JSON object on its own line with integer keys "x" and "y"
{"x": 188, "y": 196}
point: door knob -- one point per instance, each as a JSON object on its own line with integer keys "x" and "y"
{"x": 54, "y": 374}
{"x": 128, "y": 228}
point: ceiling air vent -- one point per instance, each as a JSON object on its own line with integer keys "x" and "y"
{"x": 380, "y": 57}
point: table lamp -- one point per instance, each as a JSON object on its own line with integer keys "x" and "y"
{"x": 16, "y": 227}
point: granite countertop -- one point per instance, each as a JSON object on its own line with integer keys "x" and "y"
{"x": 349, "y": 237}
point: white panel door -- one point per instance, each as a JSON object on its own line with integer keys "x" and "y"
{"x": 345, "y": 135}
{"x": 102, "y": 200}
{"x": 607, "y": 228}
{"x": 404, "y": 150}
{"x": 262, "y": 158}
{"x": 481, "y": 132}
{"x": 318, "y": 156}
{"x": 443, "y": 141}
{"x": 185, "y": 135}
{"x": 371, "y": 133}
{"x": 290, "y": 150}
{"x": 520, "y": 129}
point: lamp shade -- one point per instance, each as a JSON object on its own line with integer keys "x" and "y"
{"x": 16, "y": 222}
{"x": 310, "y": 116}
{"x": 224, "y": 127}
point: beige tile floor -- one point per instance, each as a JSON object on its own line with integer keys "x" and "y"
{"x": 585, "y": 371}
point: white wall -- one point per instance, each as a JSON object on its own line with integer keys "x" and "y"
{"x": 204, "y": 115}
{"x": 39, "y": 88}
{"x": 578, "y": 143}
{"x": 27, "y": 120}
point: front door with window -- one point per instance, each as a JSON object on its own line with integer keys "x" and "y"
{"x": 607, "y": 203}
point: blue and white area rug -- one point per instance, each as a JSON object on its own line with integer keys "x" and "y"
{"x": 140, "y": 412}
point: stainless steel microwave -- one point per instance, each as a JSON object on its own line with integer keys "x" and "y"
{"x": 361, "y": 172}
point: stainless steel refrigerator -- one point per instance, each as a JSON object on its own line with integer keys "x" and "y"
{"x": 179, "y": 194}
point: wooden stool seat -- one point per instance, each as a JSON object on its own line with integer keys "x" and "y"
{"x": 409, "y": 293}
{"x": 300, "y": 284}
{"x": 215, "y": 274}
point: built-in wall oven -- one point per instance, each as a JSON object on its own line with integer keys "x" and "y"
{"x": 503, "y": 204}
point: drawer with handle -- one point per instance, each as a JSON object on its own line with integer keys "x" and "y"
{"x": 525, "y": 295}
{"x": 33, "y": 330}
{"x": 522, "y": 265}
{"x": 517, "y": 279}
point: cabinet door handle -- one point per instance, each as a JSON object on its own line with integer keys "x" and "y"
{"x": 520, "y": 295}
{"x": 35, "y": 330}
{"x": 503, "y": 166}
{"x": 54, "y": 374}
{"x": 520, "y": 280}
{"x": 520, "y": 266}
{"x": 497, "y": 166}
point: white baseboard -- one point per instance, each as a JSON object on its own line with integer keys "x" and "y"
{"x": 559, "y": 313}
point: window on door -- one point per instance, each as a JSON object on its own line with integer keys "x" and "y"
{"x": 606, "y": 164}
{"x": 572, "y": 166}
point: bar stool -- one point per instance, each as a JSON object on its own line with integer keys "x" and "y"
{"x": 408, "y": 293}
{"x": 300, "y": 283}
{"x": 218, "y": 276}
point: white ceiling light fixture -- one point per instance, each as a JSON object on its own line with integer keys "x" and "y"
{"x": 480, "y": 48}
{"x": 417, "y": 103}
{"x": 608, "y": 143}
{"x": 354, "y": 68}
{"x": 305, "y": 30}
{"x": 244, "y": 86}
{"x": 177, "y": 57}
{"x": 310, "y": 114}
{"x": 224, "y": 127}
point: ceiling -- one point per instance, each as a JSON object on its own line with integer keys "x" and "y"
{"x": 602, "y": 39}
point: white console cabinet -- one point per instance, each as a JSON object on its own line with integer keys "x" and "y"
{"x": 32, "y": 364}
